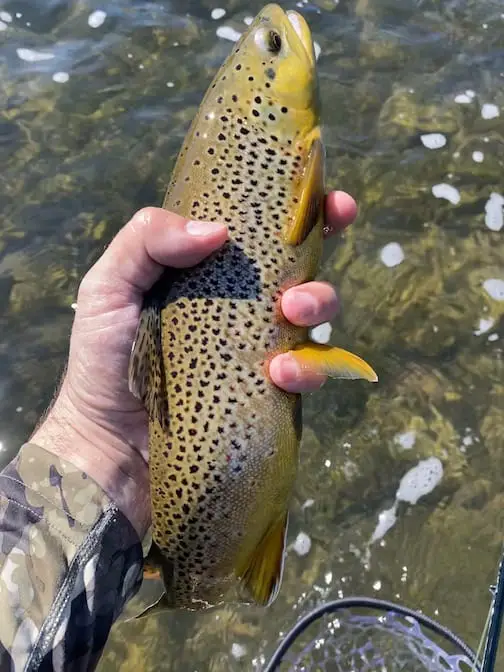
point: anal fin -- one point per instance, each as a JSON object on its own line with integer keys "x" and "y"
{"x": 333, "y": 362}
{"x": 263, "y": 569}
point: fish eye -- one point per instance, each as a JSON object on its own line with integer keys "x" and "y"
{"x": 274, "y": 42}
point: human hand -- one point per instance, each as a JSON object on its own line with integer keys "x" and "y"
{"x": 95, "y": 422}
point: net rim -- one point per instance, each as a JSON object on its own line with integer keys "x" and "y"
{"x": 369, "y": 603}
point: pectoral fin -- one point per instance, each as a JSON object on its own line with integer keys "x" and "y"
{"x": 333, "y": 362}
{"x": 263, "y": 569}
{"x": 310, "y": 196}
{"x": 146, "y": 371}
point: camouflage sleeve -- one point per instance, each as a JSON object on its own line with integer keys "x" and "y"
{"x": 69, "y": 562}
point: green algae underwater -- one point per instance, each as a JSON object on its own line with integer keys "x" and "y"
{"x": 94, "y": 110}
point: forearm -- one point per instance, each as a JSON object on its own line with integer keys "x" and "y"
{"x": 69, "y": 561}
{"x": 104, "y": 456}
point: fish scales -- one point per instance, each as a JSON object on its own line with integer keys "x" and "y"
{"x": 224, "y": 463}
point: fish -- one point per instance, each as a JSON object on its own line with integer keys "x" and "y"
{"x": 223, "y": 439}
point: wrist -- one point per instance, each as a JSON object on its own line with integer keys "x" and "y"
{"x": 104, "y": 456}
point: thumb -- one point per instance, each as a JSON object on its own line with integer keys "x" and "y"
{"x": 152, "y": 239}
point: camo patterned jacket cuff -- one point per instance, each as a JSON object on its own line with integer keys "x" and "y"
{"x": 69, "y": 562}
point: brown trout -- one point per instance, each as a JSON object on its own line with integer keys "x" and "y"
{"x": 223, "y": 439}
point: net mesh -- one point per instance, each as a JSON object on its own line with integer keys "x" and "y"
{"x": 367, "y": 642}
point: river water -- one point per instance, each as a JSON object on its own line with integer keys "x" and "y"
{"x": 401, "y": 490}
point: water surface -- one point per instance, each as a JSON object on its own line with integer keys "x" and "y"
{"x": 94, "y": 107}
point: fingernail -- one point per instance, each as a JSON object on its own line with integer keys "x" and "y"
{"x": 308, "y": 305}
{"x": 196, "y": 228}
{"x": 289, "y": 368}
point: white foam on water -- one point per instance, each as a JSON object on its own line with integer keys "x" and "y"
{"x": 170, "y": 85}
{"x": 377, "y": 585}
{"x": 308, "y": 504}
{"x": 18, "y": 15}
{"x": 489, "y": 111}
{"x": 61, "y": 77}
{"x": 32, "y": 56}
{"x": 478, "y": 157}
{"x": 5, "y": 16}
{"x": 494, "y": 287}
{"x": 302, "y": 544}
{"x": 97, "y": 18}
{"x": 420, "y": 480}
{"x": 317, "y": 49}
{"x": 3, "y": 26}
{"x": 493, "y": 337}
{"x": 228, "y": 33}
{"x": 462, "y": 99}
{"x": 74, "y": 306}
{"x": 392, "y": 255}
{"x": 19, "y": 409}
{"x": 386, "y": 520}
{"x": 321, "y": 333}
{"x": 248, "y": 20}
{"x": 433, "y": 140}
{"x": 238, "y": 651}
{"x": 406, "y": 440}
{"x": 446, "y": 191}
{"x": 484, "y": 325}
{"x": 218, "y": 13}
{"x": 494, "y": 214}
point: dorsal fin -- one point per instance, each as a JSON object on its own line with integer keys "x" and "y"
{"x": 146, "y": 371}
{"x": 310, "y": 196}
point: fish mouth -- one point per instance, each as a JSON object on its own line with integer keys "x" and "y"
{"x": 303, "y": 32}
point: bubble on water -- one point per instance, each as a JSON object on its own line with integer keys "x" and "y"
{"x": 74, "y": 306}
{"x": 321, "y": 333}
{"x": 228, "y": 33}
{"x": 406, "y": 440}
{"x": 386, "y": 520}
{"x": 248, "y": 20}
{"x": 392, "y": 255}
{"x": 32, "y": 56}
{"x": 489, "y": 111}
{"x": 18, "y": 15}
{"x": 6, "y": 17}
{"x": 433, "y": 140}
{"x": 170, "y": 85}
{"x": 238, "y": 651}
{"x": 494, "y": 215}
{"x": 19, "y": 409}
{"x": 484, "y": 325}
{"x": 420, "y": 480}
{"x": 61, "y": 77}
{"x": 97, "y": 18}
{"x": 377, "y": 585}
{"x": 478, "y": 156}
{"x": 446, "y": 191}
{"x": 308, "y": 504}
{"x": 493, "y": 337}
{"x": 317, "y": 49}
{"x": 494, "y": 287}
{"x": 302, "y": 544}
{"x": 463, "y": 99}
{"x": 218, "y": 13}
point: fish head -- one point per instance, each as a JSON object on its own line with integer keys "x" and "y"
{"x": 273, "y": 67}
